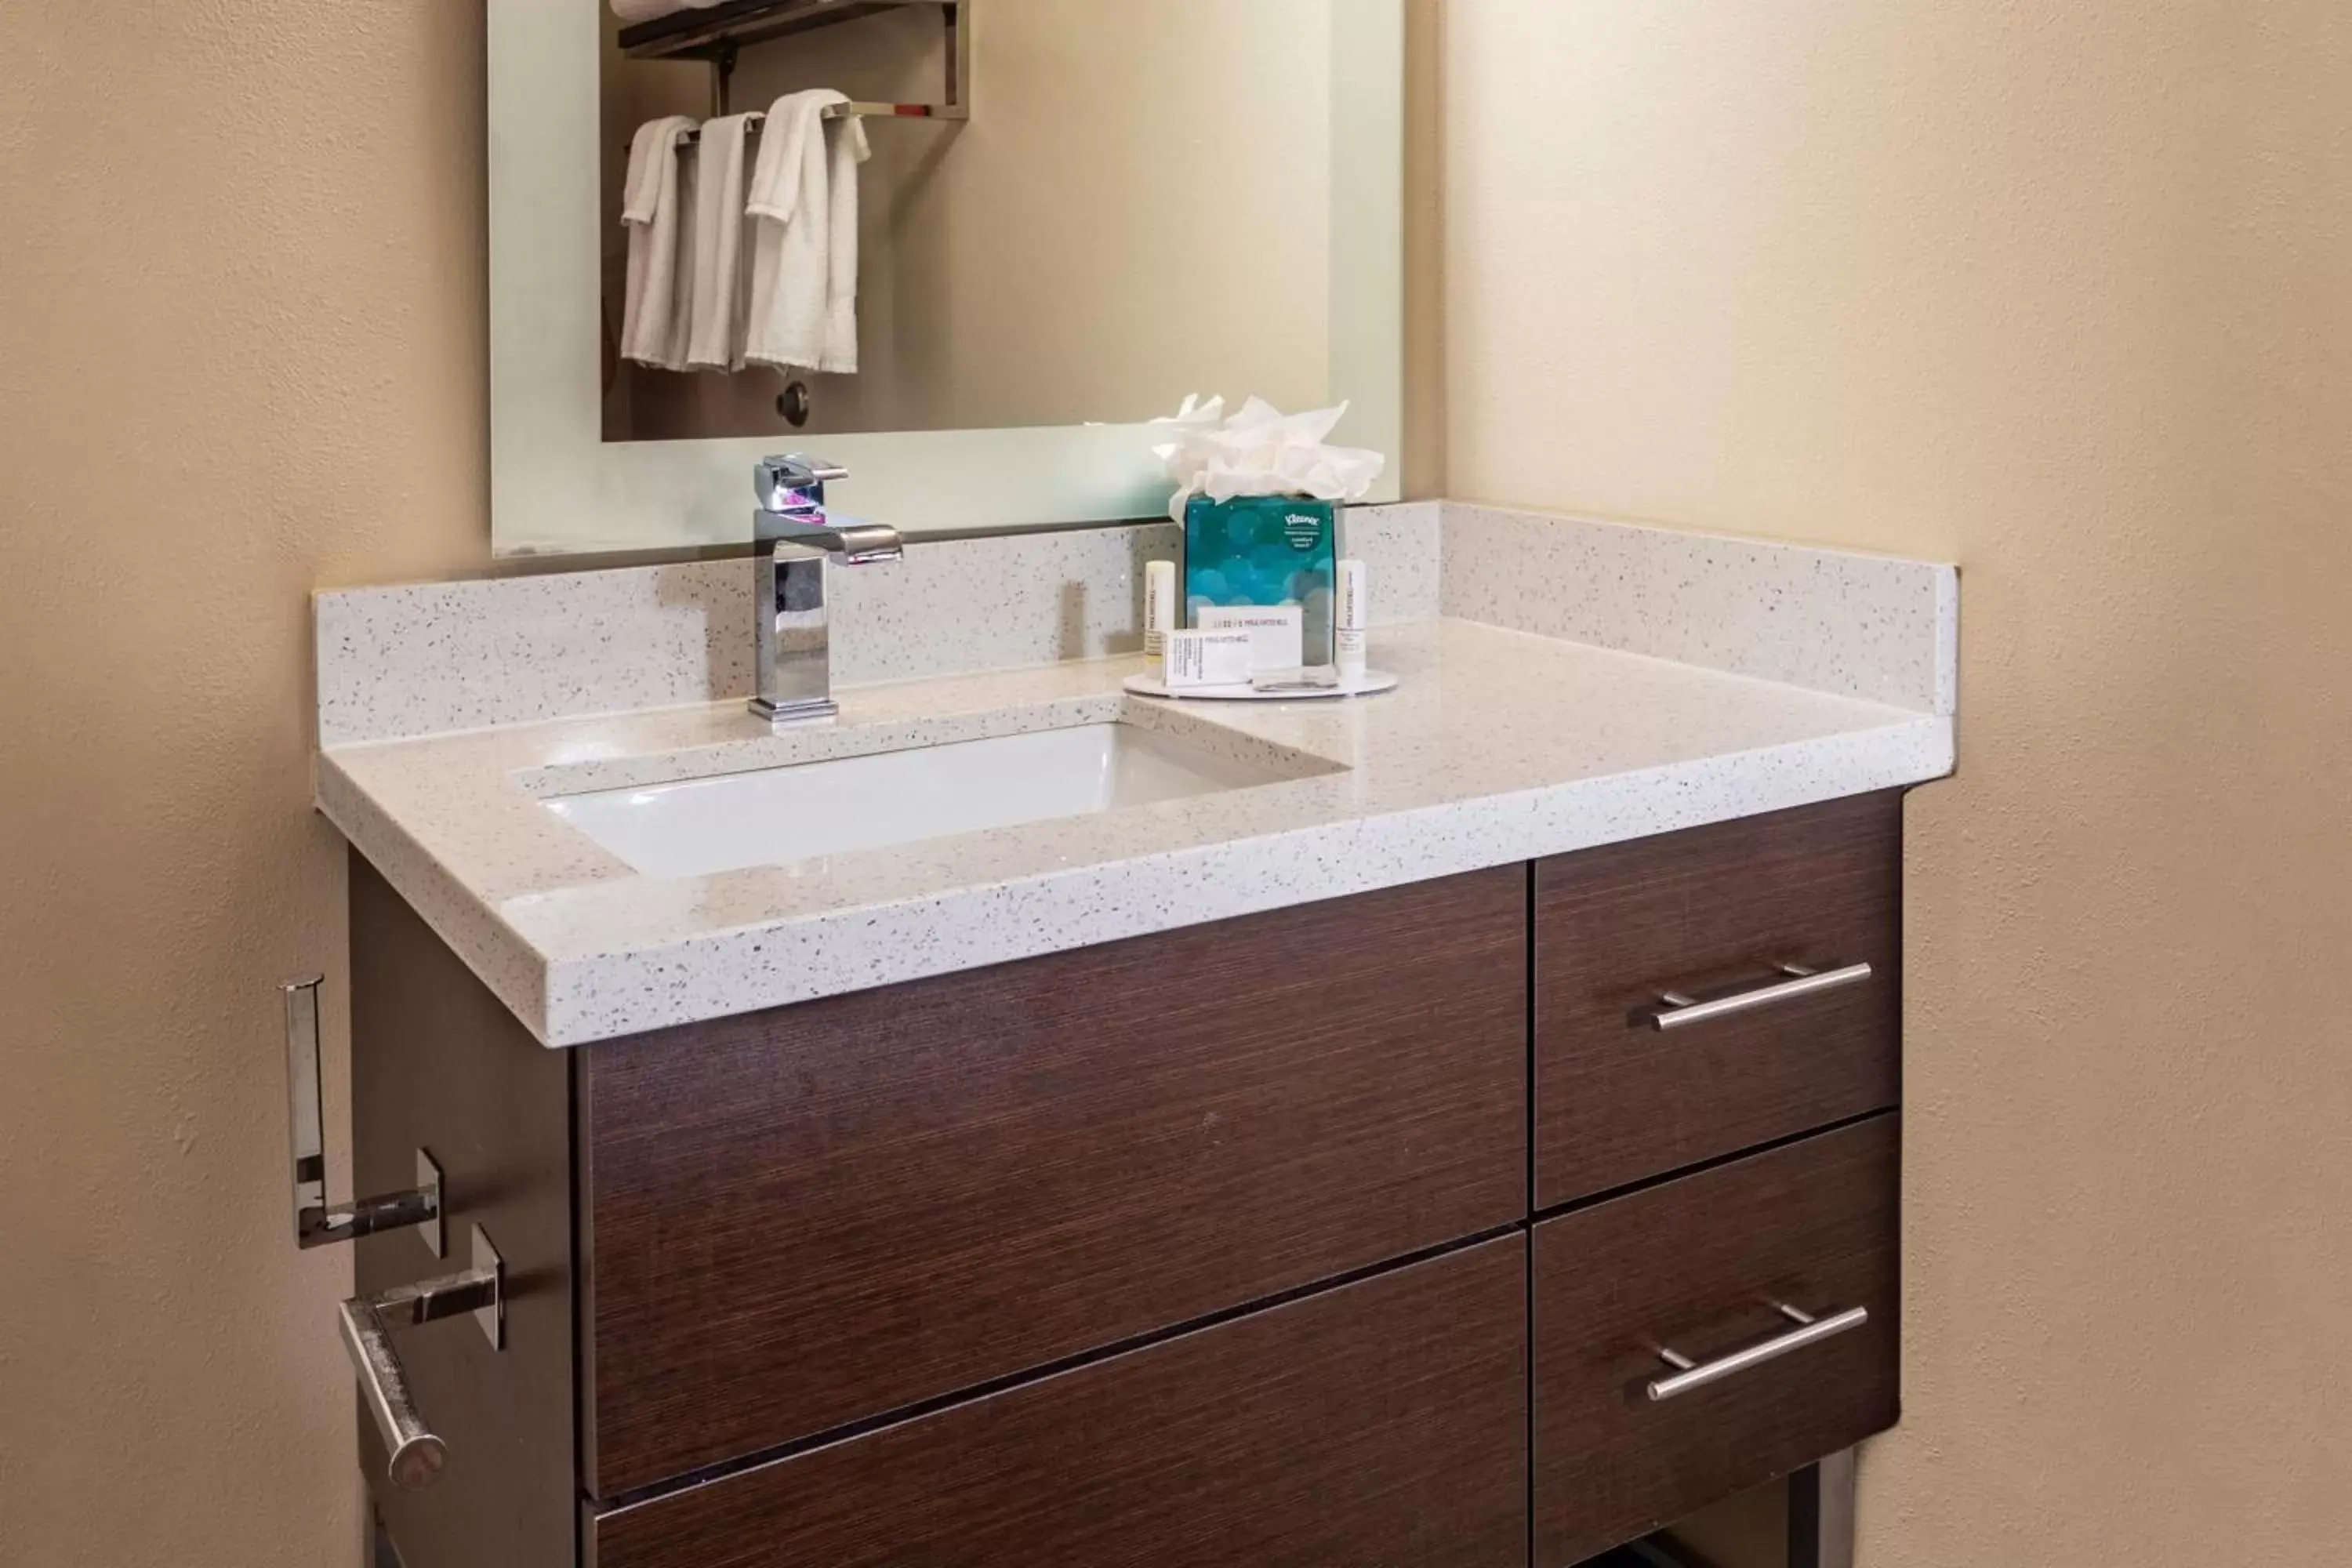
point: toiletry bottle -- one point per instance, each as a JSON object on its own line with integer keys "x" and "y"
{"x": 1352, "y": 622}
{"x": 1158, "y": 605}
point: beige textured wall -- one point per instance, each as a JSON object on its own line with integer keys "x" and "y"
{"x": 2059, "y": 292}
{"x": 2062, "y": 293}
{"x": 240, "y": 355}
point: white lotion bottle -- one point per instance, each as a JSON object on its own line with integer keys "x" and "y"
{"x": 1353, "y": 620}
{"x": 1159, "y": 605}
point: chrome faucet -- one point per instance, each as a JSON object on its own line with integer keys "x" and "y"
{"x": 794, "y": 548}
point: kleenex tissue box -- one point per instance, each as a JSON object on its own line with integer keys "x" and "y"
{"x": 1263, "y": 550}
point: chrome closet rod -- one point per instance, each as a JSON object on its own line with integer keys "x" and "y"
{"x": 839, "y": 111}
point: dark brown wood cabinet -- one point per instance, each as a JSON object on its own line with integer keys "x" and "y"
{"x": 1349, "y": 1232}
{"x": 1702, "y": 1265}
{"x": 1382, "y": 1422}
{"x": 806, "y": 1218}
{"x": 439, "y": 1063}
{"x": 1700, "y": 914}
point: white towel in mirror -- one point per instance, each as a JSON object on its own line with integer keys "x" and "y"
{"x": 846, "y": 148}
{"x": 717, "y": 305}
{"x": 804, "y": 207}
{"x": 656, "y": 204}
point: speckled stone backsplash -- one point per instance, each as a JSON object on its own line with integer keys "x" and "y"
{"x": 435, "y": 658}
{"x": 1840, "y": 621}
{"x": 432, "y": 657}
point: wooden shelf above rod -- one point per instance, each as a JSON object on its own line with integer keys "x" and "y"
{"x": 719, "y": 33}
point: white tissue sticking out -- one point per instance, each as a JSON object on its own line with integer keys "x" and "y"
{"x": 1261, "y": 451}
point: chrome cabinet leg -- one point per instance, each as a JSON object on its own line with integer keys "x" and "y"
{"x": 1820, "y": 1514}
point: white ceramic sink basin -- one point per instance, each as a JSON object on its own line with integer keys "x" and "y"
{"x": 779, "y": 816}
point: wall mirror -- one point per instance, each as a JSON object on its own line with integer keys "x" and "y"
{"x": 967, "y": 248}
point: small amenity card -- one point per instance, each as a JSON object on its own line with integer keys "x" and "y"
{"x": 1277, "y": 632}
{"x": 1192, "y": 659}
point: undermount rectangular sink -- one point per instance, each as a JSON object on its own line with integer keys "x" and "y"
{"x": 779, "y": 816}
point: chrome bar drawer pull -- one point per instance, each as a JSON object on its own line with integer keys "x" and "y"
{"x": 1679, "y": 1011}
{"x": 417, "y": 1457}
{"x": 1809, "y": 1331}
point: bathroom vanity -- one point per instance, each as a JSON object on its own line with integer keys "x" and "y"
{"x": 1005, "y": 1121}
{"x": 1473, "y": 1141}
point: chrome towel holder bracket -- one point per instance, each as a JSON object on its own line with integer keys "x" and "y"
{"x": 315, "y": 1223}
{"x": 416, "y": 1455}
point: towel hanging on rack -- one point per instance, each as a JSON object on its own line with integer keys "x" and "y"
{"x": 716, "y": 302}
{"x": 656, "y": 205}
{"x": 804, "y": 207}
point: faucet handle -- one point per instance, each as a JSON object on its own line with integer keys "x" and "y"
{"x": 782, "y": 483}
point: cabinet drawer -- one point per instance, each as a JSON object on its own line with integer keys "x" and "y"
{"x": 819, "y": 1214}
{"x": 1384, "y": 1422}
{"x": 1714, "y": 913}
{"x": 1703, "y": 1266}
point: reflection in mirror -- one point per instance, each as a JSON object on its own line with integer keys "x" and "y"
{"x": 1136, "y": 208}
{"x": 965, "y": 247}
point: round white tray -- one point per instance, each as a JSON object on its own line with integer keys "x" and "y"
{"x": 1364, "y": 684}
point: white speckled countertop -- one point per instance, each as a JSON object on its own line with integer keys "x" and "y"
{"x": 1500, "y": 746}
